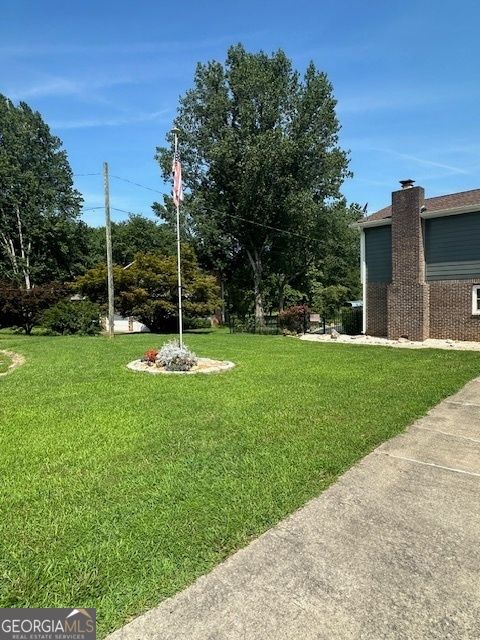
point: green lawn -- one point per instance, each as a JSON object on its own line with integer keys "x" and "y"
{"x": 5, "y": 362}
{"x": 119, "y": 488}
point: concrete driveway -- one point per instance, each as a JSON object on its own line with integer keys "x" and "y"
{"x": 390, "y": 551}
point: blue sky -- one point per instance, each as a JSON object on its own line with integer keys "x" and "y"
{"x": 107, "y": 76}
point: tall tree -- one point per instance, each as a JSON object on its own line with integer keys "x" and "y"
{"x": 259, "y": 146}
{"x": 38, "y": 203}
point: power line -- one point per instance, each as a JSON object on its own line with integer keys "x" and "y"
{"x": 230, "y": 215}
{"x": 137, "y": 184}
{"x": 82, "y": 175}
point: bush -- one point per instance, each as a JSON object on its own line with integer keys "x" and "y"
{"x": 295, "y": 319}
{"x": 65, "y": 318}
{"x": 24, "y": 307}
{"x": 196, "y": 323}
{"x": 176, "y": 358}
{"x": 352, "y": 321}
{"x": 150, "y": 356}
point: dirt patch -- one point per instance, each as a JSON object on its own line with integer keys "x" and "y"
{"x": 17, "y": 361}
{"x": 204, "y": 365}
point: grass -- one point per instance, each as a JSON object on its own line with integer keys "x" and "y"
{"x": 5, "y": 362}
{"x": 119, "y": 489}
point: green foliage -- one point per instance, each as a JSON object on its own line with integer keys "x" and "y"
{"x": 352, "y": 321}
{"x": 329, "y": 300}
{"x": 147, "y": 290}
{"x": 106, "y": 472}
{"x": 23, "y": 308}
{"x": 190, "y": 323}
{"x": 260, "y": 151}
{"x": 295, "y": 319}
{"x": 73, "y": 317}
{"x": 138, "y": 234}
{"x": 39, "y": 239}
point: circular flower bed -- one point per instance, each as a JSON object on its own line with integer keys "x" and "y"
{"x": 173, "y": 358}
{"x": 203, "y": 365}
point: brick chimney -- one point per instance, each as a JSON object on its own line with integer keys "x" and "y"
{"x": 408, "y": 295}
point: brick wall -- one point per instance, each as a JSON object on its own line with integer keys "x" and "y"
{"x": 408, "y": 295}
{"x": 451, "y": 310}
{"x": 377, "y": 318}
{"x": 408, "y": 311}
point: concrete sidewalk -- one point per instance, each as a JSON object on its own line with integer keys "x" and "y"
{"x": 390, "y": 551}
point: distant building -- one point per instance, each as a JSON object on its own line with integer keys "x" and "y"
{"x": 421, "y": 266}
{"x": 126, "y": 325}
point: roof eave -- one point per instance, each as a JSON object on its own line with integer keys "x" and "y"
{"x": 374, "y": 223}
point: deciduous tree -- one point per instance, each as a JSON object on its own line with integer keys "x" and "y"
{"x": 259, "y": 146}
{"x": 147, "y": 290}
{"x": 38, "y": 204}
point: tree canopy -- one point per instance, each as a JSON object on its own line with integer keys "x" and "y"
{"x": 39, "y": 241}
{"x": 138, "y": 234}
{"x": 262, "y": 166}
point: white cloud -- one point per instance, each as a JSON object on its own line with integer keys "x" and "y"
{"x": 65, "y": 86}
{"x": 119, "y": 121}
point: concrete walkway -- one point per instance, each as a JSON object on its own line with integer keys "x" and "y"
{"x": 390, "y": 551}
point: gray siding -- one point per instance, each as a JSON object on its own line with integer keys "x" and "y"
{"x": 452, "y": 247}
{"x": 378, "y": 253}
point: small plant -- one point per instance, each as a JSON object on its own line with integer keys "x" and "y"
{"x": 150, "y": 356}
{"x": 176, "y": 358}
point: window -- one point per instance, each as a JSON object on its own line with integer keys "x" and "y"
{"x": 476, "y": 299}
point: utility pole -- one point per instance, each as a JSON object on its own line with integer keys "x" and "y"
{"x": 177, "y": 197}
{"x": 108, "y": 233}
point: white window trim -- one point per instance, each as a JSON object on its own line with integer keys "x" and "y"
{"x": 475, "y": 300}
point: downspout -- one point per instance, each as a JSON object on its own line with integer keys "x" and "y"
{"x": 363, "y": 280}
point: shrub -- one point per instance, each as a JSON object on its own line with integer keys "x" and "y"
{"x": 176, "y": 358}
{"x": 150, "y": 356}
{"x": 24, "y": 307}
{"x": 352, "y": 321}
{"x": 295, "y": 319}
{"x": 67, "y": 317}
{"x": 196, "y": 323}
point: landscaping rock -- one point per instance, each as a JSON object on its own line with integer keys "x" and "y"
{"x": 402, "y": 343}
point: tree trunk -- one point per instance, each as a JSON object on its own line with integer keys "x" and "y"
{"x": 281, "y": 295}
{"x": 256, "y": 264}
{"x": 24, "y": 253}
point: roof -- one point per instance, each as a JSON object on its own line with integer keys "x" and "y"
{"x": 438, "y": 203}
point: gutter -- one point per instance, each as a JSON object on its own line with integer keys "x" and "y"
{"x": 374, "y": 223}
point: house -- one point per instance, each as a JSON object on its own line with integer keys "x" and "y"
{"x": 420, "y": 266}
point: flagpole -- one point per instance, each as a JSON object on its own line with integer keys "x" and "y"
{"x": 175, "y": 132}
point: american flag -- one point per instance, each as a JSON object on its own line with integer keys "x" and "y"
{"x": 177, "y": 191}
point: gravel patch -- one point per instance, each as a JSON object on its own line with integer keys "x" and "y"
{"x": 402, "y": 343}
{"x": 204, "y": 365}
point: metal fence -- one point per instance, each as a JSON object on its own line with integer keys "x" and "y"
{"x": 347, "y": 320}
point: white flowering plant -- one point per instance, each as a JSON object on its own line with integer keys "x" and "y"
{"x": 174, "y": 357}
